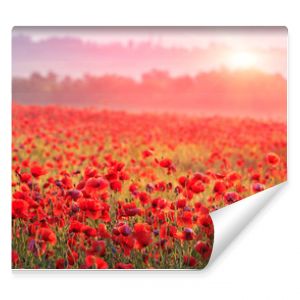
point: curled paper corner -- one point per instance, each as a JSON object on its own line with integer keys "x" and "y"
{"x": 230, "y": 221}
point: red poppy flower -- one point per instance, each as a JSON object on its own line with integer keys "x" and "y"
{"x": 90, "y": 172}
{"x": 98, "y": 248}
{"x": 15, "y": 257}
{"x": 19, "y": 195}
{"x": 19, "y": 209}
{"x": 165, "y": 163}
{"x": 47, "y": 235}
{"x": 91, "y": 207}
{"x": 121, "y": 265}
{"x": 257, "y": 187}
{"x": 206, "y": 224}
{"x": 232, "y": 197}
{"x": 111, "y": 176}
{"x": 60, "y": 263}
{"x": 219, "y": 187}
{"x": 272, "y": 159}
{"x": 197, "y": 187}
{"x": 188, "y": 234}
{"x": 183, "y": 181}
{"x": 37, "y": 171}
{"x": 199, "y": 207}
{"x": 167, "y": 231}
{"x": 203, "y": 249}
{"x": 75, "y": 227}
{"x": 255, "y": 176}
{"x": 126, "y": 243}
{"x": 124, "y": 176}
{"x": 133, "y": 188}
{"x": 185, "y": 218}
{"x": 25, "y": 177}
{"x": 92, "y": 261}
{"x": 181, "y": 203}
{"x": 233, "y": 176}
{"x": 147, "y": 153}
{"x": 75, "y": 194}
{"x": 144, "y": 198}
{"x": 124, "y": 229}
{"x": 72, "y": 258}
{"x": 142, "y": 234}
{"x": 96, "y": 183}
{"x": 102, "y": 231}
{"x": 116, "y": 185}
{"x": 189, "y": 261}
{"x": 130, "y": 209}
{"x": 89, "y": 231}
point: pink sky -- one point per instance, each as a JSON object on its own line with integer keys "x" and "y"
{"x": 132, "y": 51}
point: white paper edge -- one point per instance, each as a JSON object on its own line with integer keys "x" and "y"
{"x": 231, "y": 220}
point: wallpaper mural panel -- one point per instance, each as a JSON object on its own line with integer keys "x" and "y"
{"x": 125, "y": 139}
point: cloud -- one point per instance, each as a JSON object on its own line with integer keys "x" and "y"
{"x": 69, "y": 55}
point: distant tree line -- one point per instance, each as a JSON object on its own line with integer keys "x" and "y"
{"x": 244, "y": 92}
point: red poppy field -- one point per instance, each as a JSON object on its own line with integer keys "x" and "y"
{"x": 105, "y": 189}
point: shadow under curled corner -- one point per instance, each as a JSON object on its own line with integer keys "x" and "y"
{"x": 230, "y": 221}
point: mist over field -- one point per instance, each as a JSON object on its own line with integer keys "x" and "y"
{"x": 243, "y": 93}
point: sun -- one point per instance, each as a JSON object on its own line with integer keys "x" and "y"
{"x": 242, "y": 60}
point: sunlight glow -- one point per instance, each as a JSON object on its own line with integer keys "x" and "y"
{"x": 243, "y": 59}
